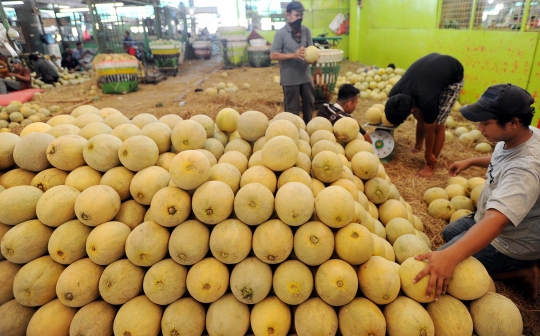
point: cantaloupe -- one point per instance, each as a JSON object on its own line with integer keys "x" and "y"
{"x": 95, "y": 128}
{"x": 147, "y": 244}
{"x": 416, "y": 291}
{"x": 35, "y": 127}
{"x": 26, "y": 241}
{"x": 212, "y": 202}
{"x": 165, "y": 282}
{"x": 316, "y": 186}
{"x": 116, "y": 120}
{"x": 270, "y": 317}
{"x": 251, "y": 280}
{"x": 8, "y": 140}
{"x": 143, "y": 119}
{"x": 470, "y": 280}
{"x": 161, "y": 134}
{"x": 67, "y": 242}
{"x": 84, "y": 109}
{"x": 252, "y": 125}
{"x": 101, "y": 152}
{"x": 147, "y": 182}
{"x": 459, "y": 214}
{"x": 82, "y": 178}
{"x": 336, "y": 282}
{"x": 171, "y": 206}
{"x": 227, "y": 120}
{"x": 107, "y": 111}
{"x": 313, "y": 243}
{"x": 454, "y": 190}
{"x": 346, "y": 129}
{"x": 279, "y": 153}
{"x": 207, "y": 280}
{"x": 120, "y": 282}
{"x": 318, "y": 123}
{"x": 30, "y": 152}
{"x": 211, "y": 158}
{"x": 365, "y": 165}
{"x": 450, "y": 316}
{"x": 312, "y": 54}
{"x": 183, "y": 317}
{"x": 19, "y": 204}
{"x": 303, "y": 146}
{"x": 138, "y": 152}
{"x": 8, "y": 271}
{"x": 293, "y": 282}
{"x": 49, "y": 178}
{"x": 303, "y": 162}
{"x": 189, "y": 169}
{"x": 322, "y": 135}
{"x": 294, "y": 203}
{"x": 272, "y": 241}
{"x": 188, "y": 243}
{"x": 474, "y": 182}
{"x": 405, "y": 316}
{"x": 119, "y": 178}
{"x": 35, "y": 283}
{"x": 126, "y": 131}
{"x": 239, "y": 145}
{"x": 495, "y": 314}
{"x": 335, "y": 206}
{"x": 16, "y": 177}
{"x": 378, "y": 280}
{"x": 95, "y": 318}
{"x": 254, "y": 203}
{"x": 220, "y": 321}
{"x": 15, "y": 318}
{"x": 56, "y": 205}
{"x": 409, "y": 245}
{"x": 56, "y": 311}
{"x": 236, "y": 159}
{"x": 377, "y": 190}
{"x": 259, "y": 174}
{"x": 475, "y": 194}
{"x": 391, "y": 209}
{"x": 294, "y": 174}
{"x": 357, "y": 145}
{"x": 462, "y": 202}
{"x": 66, "y": 152}
{"x": 97, "y": 205}
{"x": 78, "y": 284}
{"x": 229, "y": 174}
{"x": 105, "y": 244}
{"x": 230, "y": 241}
{"x": 361, "y": 317}
{"x": 397, "y": 227}
{"x": 435, "y": 193}
{"x": 215, "y": 147}
{"x": 315, "y": 316}
{"x": 327, "y": 166}
{"x": 86, "y": 119}
{"x": 324, "y": 145}
{"x": 138, "y": 316}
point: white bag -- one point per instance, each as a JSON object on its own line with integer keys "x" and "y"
{"x": 336, "y": 22}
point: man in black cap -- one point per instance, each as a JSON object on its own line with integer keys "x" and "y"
{"x": 290, "y": 43}
{"x": 428, "y": 90}
{"x": 504, "y": 233}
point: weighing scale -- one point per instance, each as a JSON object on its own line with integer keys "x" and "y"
{"x": 383, "y": 141}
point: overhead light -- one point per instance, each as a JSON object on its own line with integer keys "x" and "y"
{"x": 71, "y": 10}
{"x": 62, "y": 6}
{"x": 12, "y": 3}
{"x": 110, "y": 4}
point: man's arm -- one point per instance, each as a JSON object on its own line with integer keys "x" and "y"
{"x": 21, "y": 77}
{"x": 441, "y": 264}
{"x": 420, "y": 130}
{"x": 459, "y": 166}
{"x": 434, "y": 143}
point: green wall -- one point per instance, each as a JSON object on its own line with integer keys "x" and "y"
{"x": 400, "y": 32}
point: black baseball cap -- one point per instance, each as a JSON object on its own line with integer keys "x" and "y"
{"x": 501, "y": 99}
{"x": 295, "y": 5}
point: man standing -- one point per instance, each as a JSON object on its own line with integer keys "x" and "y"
{"x": 504, "y": 234}
{"x": 428, "y": 90}
{"x": 23, "y": 79}
{"x": 43, "y": 69}
{"x": 288, "y": 48}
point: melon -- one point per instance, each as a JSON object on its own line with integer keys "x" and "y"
{"x": 365, "y": 165}
{"x": 126, "y": 131}
{"x": 26, "y": 242}
{"x": 483, "y": 147}
{"x": 84, "y": 109}
{"x": 207, "y": 280}
{"x": 336, "y": 282}
{"x": 361, "y": 317}
{"x": 474, "y": 182}
{"x": 322, "y": 135}
{"x": 462, "y": 202}
{"x": 282, "y": 128}
{"x": 377, "y": 190}
{"x": 40, "y": 324}
{"x": 252, "y": 125}
{"x": 272, "y": 241}
{"x": 495, "y": 314}
{"x": 458, "y": 180}
{"x": 106, "y": 243}
{"x": 78, "y": 284}
{"x": 60, "y": 119}
{"x": 454, "y": 190}
{"x": 143, "y": 119}
{"x": 239, "y": 145}
{"x": 8, "y": 271}
{"x": 35, "y": 283}
{"x": 303, "y": 162}
{"x": 293, "y": 282}
{"x": 346, "y": 129}
{"x": 316, "y": 186}
{"x": 315, "y": 317}
{"x": 215, "y": 147}
{"x": 397, "y": 227}
{"x": 15, "y": 318}
{"x": 171, "y": 206}
{"x": 188, "y": 243}
{"x": 271, "y": 317}
{"x": 56, "y": 205}
{"x": 318, "y": 123}
{"x": 357, "y": 145}
{"x": 435, "y": 193}
{"x": 19, "y": 204}
{"x": 294, "y": 174}
{"x": 459, "y": 214}
{"x": 450, "y": 316}
{"x": 86, "y": 119}
{"x": 67, "y": 243}
{"x": 116, "y": 120}
{"x": 183, "y": 317}
{"x": 409, "y": 245}
{"x": 311, "y": 54}
{"x": 475, "y": 194}
{"x": 304, "y": 147}
{"x": 378, "y": 280}
{"x": 236, "y": 159}
{"x": 227, "y": 316}
{"x": 405, "y": 316}
{"x": 354, "y": 244}
{"x": 335, "y": 206}
{"x": 211, "y": 158}
{"x": 408, "y": 270}
{"x": 95, "y": 128}
{"x": 66, "y": 152}
{"x": 97, "y": 204}
{"x": 279, "y": 153}
{"x": 212, "y": 202}
{"x": 131, "y": 213}
{"x": 295, "y": 119}
{"x": 441, "y": 209}
{"x": 230, "y": 175}
{"x": 9, "y": 141}
{"x": 107, "y": 111}
{"x": 374, "y": 115}
{"x": 49, "y": 178}
{"x": 30, "y": 152}
{"x": 101, "y": 152}
{"x": 138, "y": 316}
{"x": 313, "y": 243}
{"x": 164, "y": 160}
{"x": 327, "y": 167}
{"x": 147, "y": 244}
{"x": 138, "y": 152}
{"x": 221, "y": 136}
{"x": 259, "y": 174}
{"x": 165, "y": 282}
{"x": 391, "y": 209}
{"x": 83, "y": 178}
{"x": 120, "y": 282}
{"x": 254, "y": 203}
{"x": 147, "y": 182}
{"x": 251, "y": 280}
{"x": 230, "y": 241}
{"x": 469, "y": 281}
{"x": 227, "y": 120}
{"x": 16, "y": 177}
{"x": 118, "y": 178}
{"x": 294, "y": 203}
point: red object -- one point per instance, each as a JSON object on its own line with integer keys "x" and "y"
{"x": 132, "y": 51}
{"x": 23, "y": 96}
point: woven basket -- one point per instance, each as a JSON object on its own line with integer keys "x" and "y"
{"x": 325, "y": 73}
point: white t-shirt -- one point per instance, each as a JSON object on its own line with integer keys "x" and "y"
{"x": 513, "y": 188}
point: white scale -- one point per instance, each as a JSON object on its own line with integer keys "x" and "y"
{"x": 383, "y": 141}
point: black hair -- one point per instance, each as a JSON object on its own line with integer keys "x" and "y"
{"x": 347, "y": 92}
{"x": 391, "y": 65}
{"x": 398, "y": 108}
{"x": 65, "y": 54}
{"x": 65, "y": 46}
{"x": 33, "y": 57}
{"x": 78, "y": 44}
{"x": 126, "y": 32}
{"x": 524, "y": 120}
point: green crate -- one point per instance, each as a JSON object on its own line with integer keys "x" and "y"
{"x": 324, "y": 79}
{"x": 166, "y": 62}
{"x": 120, "y": 87}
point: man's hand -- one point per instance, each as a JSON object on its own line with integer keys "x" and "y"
{"x": 300, "y": 53}
{"x": 10, "y": 74}
{"x": 440, "y": 267}
{"x": 457, "y": 167}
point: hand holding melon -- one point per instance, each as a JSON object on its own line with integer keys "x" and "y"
{"x": 311, "y": 54}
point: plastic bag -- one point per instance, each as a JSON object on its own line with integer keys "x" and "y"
{"x": 337, "y": 23}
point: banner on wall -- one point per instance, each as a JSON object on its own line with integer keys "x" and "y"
{"x": 339, "y": 24}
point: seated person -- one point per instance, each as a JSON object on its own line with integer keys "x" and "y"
{"x": 68, "y": 62}
{"x": 23, "y": 79}
{"x": 345, "y": 105}
{"x": 67, "y": 48}
{"x": 79, "y": 54}
{"x": 43, "y": 70}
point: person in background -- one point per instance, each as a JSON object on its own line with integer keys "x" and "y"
{"x": 43, "y": 70}
{"x": 428, "y": 90}
{"x": 22, "y": 75}
{"x": 79, "y": 54}
{"x": 503, "y": 234}
{"x": 128, "y": 40}
{"x": 70, "y": 63}
{"x": 290, "y": 43}
{"x": 67, "y": 48}
{"x": 344, "y": 106}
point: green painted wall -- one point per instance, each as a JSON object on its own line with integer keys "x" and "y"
{"x": 392, "y": 31}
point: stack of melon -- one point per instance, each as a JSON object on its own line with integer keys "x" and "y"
{"x": 17, "y": 114}
{"x": 466, "y": 132}
{"x": 373, "y": 83}
{"x": 224, "y": 88}
{"x": 245, "y": 225}
{"x": 458, "y": 199}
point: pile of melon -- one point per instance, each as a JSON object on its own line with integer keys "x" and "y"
{"x": 241, "y": 225}
{"x": 373, "y": 83}
{"x": 223, "y": 88}
{"x": 466, "y": 132}
{"x": 17, "y": 114}
{"x": 458, "y": 199}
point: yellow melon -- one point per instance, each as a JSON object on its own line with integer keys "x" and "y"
{"x": 279, "y": 153}
{"x": 138, "y": 316}
{"x": 40, "y": 324}
{"x": 61, "y": 119}
{"x": 8, "y": 271}
{"x": 164, "y": 160}
{"x": 188, "y": 243}
{"x": 165, "y": 282}
{"x": 138, "y": 152}
{"x": 272, "y": 241}
{"x": 35, "y": 283}
{"x": 239, "y": 145}
{"x": 49, "y": 178}
{"x": 336, "y": 282}
{"x": 107, "y": 111}
{"x": 418, "y": 225}
{"x": 147, "y": 182}
{"x": 131, "y": 213}
{"x": 147, "y": 244}
{"x": 84, "y": 109}
{"x": 470, "y": 280}
{"x": 327, "y": 166}
{"x": 361, "y": 317}
{"x": 220, "y": 321}
{"x": 270, "y": 317}
{"x": 251, "y": 280}
{"x": 293, "y": 282}
{"x": 212, "y": 202}
{"x": 101, "y": 152}
{"x": 97, "y": 205}
{"x": 26, "y": 241}
{"x": 318, "y": 123}
{"x": 408, "y": 270}
{"x": 495, "y": 314}
{"x": 397, "y": 227}
{"x": 56, "y": 205}
{"x": 474, "y": 182}
{"x": 323, "y": 145}
{"x": 211, "y": 158}
{"x": 230, "y": 241}
{"x": 183, "y": 317}
{"x": 30, "y": 152}
{"x": 294, "y": 174}
{"x": 313, "y": 243}
{"x": 335, "y": 206}
{"x": 304, "y": 147}
{"x": 118, "y": 178}
{"x": 227, "y": 120}
{"x": 377, "y": 190}
{"x": 15, "y": 318}
{"x": 86, "y": 119}
{"x": 295, "y": 119}
{"x": 66, "y": 152}
{"x": 294, "y": 203}
{"x": 282, "y": 128}
{"x": 207, "y": 280}
{"x": 378, "y": 280}
{"x": 450, "y": 316}
{"x": 459, "y": 214}
{"x": 454, "y": 190}
{"x": 106, "y": 243}
{"x": 409, "y": 245}
{"x": 475, "y": 194}
{"x": 16, "y": 177}
{"x": 215, "y": 147}
{"x": 64, "y": 129}
{"x": 126, "y": 131}
{"x": 236, "y": 159}
{"x": 78, "y": 284}
{"x": 35, "y": 127}
{"x": 441, "y": 209}
{"x": 316, "y": 186}
{"x": 346, "y": 129}
{"x": 95, "y": 128}
{"x": 252, "y": 125}
{"x": 391, "y": 209}
{"x": 120, "y": 282}
{"x": 221, "y": 136}
{"x": 462, "y": 202}
{"x": 229, "y": 174}
{"x": 19, "y": 204}
{"x": 171, "y": 206}
{"x": 315, "y": 317}
{"x": 3, "y": 229}
{"x": 205, "y": 122}
{"x": 322, "y": 135}
{"x": 255, "y": 159}
{"x": 116, "y": 120}
{"x": 67, "y": 242}
{"x": 458, "y": 180}
{"x": 435, "y": 193}
{"x": 83, "y": 178}
{"x": 259, "y": 174}
{"x": 357, "y": 145}
{"x": 170, "y": 120}
{"x": 405, "y": 316}
{"x": 254, "y": 203}
{"x": 354, "y": 244}
{"x": 365, "y": 165}
{"x": 143, "y": 119}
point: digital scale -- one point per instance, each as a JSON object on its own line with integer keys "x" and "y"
{"x": 383, "y": 141}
